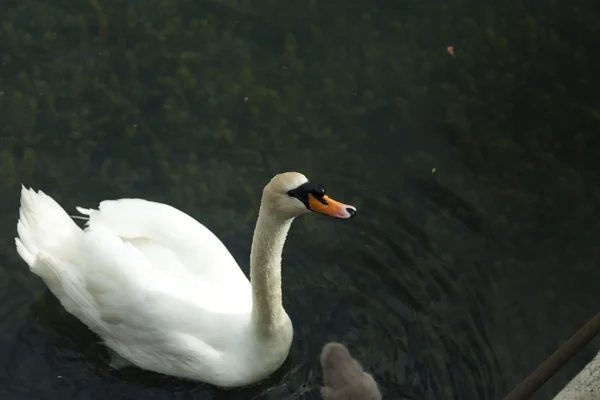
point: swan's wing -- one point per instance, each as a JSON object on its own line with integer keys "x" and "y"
{"x": 147, "y": 310}
{"x": 195, "y": 246}
{"x": 67, "y": 283}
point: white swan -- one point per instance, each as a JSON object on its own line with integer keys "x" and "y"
{"x": 162, "y": 291}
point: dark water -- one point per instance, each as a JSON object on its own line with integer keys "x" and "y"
{"x": 476, "y": 176}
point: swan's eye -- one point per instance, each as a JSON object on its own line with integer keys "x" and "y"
{"x": 319, "y": 191}
{"x": 302, "y": 192}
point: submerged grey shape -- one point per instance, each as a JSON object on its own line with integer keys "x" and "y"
{"x": 343, "y": 376}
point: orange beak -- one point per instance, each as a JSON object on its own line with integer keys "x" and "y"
{"x": 328, "y": 206}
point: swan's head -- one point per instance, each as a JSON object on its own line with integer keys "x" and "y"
{"x": 290, "y": 194}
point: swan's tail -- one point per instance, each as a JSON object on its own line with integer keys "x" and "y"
{"x": 44, "y": 228}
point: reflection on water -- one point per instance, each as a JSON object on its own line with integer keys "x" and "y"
{"x": 475, "y": 177}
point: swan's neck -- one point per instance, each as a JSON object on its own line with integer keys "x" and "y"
{"x": 265, "y": 271}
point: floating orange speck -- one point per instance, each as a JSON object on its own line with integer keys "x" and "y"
{"x": 450, "y": 50}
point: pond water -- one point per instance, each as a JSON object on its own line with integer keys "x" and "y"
{"x": 474, "y": 252}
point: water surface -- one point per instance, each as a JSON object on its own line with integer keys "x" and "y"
{"x": 476, "y": 176}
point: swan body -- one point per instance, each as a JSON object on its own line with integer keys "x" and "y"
{"x": 162, "y": 291}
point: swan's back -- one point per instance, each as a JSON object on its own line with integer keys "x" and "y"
{"x": 181, "y": 255}
{"x": 165, "y": 233}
